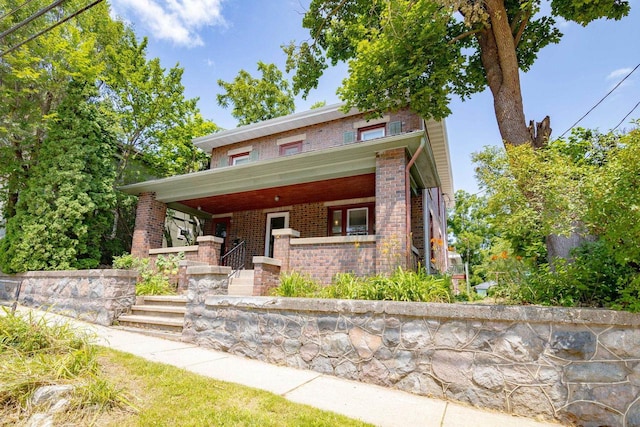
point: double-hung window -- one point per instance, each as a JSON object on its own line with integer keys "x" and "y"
{"x": 291, "y": 148}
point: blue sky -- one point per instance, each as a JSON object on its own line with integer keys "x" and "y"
{"x": 214, "y": 39}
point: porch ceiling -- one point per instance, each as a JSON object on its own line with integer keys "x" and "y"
{"x": 320, "y": 191}
{"x": 292, "y": 175}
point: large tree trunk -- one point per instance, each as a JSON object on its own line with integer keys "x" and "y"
{"x": 498, "y": 55}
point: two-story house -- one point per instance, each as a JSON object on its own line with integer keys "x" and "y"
{"x": 318, "y": 192}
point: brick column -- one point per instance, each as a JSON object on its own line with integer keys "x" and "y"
{"x": 282, "y": 245}
{"x": 150, "y": 217}
{"x": 266, "y": 275}
{"x": 209, "y": 249}
{"x": 391, "y": 210}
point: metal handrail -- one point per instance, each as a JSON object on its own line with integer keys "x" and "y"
{"x": 234, "y": 258}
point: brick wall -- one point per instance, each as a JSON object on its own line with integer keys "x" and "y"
{"x": 417, "y": 225}
{"x": 318, "y": 137}
{"x": 266, "y": 277}
{"x": 323, "y": 261}
{"x": 150, "y": 217}
{"x": 391, "y": 210}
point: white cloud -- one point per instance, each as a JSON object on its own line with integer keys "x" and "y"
{"x": 175, "y": 20}
{"x": 619, "y": 73}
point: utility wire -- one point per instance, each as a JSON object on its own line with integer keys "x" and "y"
{"x": 6, "y": 15}
{"x": 31, "y": 18}
{"x": 599, "y": 102}
{"x": 625, "y": 117}
{"x": 62, "y": 21}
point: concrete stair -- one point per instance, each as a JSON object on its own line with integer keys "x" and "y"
{"x": 156, "y": 315}
{"x": 241, "y": 284}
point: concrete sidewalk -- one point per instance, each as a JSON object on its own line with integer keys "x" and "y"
{"x": 373, "y": 404}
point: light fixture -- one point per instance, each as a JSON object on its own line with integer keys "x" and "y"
{"x": 277, "y": 198}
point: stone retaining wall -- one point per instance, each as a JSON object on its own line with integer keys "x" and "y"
{"x": 573, "y": 365}
{"x": 97, "y": 296}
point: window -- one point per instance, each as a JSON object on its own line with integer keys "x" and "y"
{"x": 291, "y": 148}
{"x": 351, "y": 220}
{"x": 371, "y": 132}
{"x": 239, "y": 159}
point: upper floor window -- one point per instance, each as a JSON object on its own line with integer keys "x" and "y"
{"x": 371, "y": 132}
{"x": 291, "y": 148}
{"x": 239, "y": 159}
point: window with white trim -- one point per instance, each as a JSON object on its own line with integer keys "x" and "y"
{"x": 239, "y": 159}
{"x": 354, "y": 220}
{"x": 371, "y": 132}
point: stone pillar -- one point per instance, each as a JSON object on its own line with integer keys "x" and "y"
{"x": 266, "y": 275}
{"x": 391, "y": 210}
{"x": 282, "y": 245}
{"x": 204, "y": 281}
{"x": 209, "y": 249}
{"x": 150, "y": 217}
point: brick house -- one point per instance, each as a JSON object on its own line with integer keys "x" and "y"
{"x": 318, "y": 192}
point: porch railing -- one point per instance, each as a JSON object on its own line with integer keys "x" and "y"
{"x": 234, "y": 258}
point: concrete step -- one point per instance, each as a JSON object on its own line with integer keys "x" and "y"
{"x": 169, "y": 300}
{"x": 157, "y": 333}
{"x": 166, "y": 311}
{"x": 151, "y": 322}
{"x": 244, "y": 274}
{"x": 241, "y": 290}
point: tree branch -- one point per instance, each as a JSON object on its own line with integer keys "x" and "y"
{"x": 465, "y": 34}
{"x": 523, "y": 25}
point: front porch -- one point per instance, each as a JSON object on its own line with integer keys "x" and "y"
{"x": 364, "y": 208}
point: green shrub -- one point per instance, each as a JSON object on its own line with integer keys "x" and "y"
{"x": 296, "y": 285}
{"x": 401, "y": 286}
{"x": 152, "y": 281}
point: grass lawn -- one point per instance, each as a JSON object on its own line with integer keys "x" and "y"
{"x": 167, "y": 396}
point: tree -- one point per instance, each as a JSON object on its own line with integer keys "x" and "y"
{"x": 470, "y": 226}
{"x": 64, "y": 210}
{"x": 255, "y": 100}
{"x": 420, "y": 52}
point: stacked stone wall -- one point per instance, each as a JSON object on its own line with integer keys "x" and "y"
{"x": 578, "y": 366}
{"x": 96, "y": 296}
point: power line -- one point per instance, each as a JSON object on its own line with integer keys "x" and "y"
{"x": 62, "y": 21}
{"x": 625, "y": 117}
{"x": 31, "y": 18}
{"x": 599, "y": 102}
{"x": 17, "y": 8}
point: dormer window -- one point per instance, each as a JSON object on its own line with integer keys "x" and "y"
{"x": 291, "y": 148}
{"x": 371, "y": 132}
{"x": 239, "y": 159}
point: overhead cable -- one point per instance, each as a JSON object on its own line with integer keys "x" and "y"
{"x": 62, "y": 21}
{"x": 31, "y": 18}
{"x": 17, "y": 8}
{"x": 625, "y": 117}
{"x": 599, "y": 102}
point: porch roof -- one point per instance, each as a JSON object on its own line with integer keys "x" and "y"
{"x": 352, "y": 160}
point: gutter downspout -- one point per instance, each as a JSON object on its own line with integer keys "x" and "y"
{"x": 427, "y": 229}
{"x": 407, "y": 195}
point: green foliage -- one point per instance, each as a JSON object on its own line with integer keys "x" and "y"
{"x": 65, "y": 207}
{"x": 35, "y": 353}
{"x": 296, "y": 285}
{"x": 255, "y": 100}
{"x": 401, "y": 286}
{"x": 152, "y": 280}
{"x": 402, "y": 51}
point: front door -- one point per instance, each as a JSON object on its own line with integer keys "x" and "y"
{"x": 275, "y": 221}
{"x": 221, "y": 229}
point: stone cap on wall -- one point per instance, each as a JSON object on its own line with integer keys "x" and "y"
{"x": 285, "y": 232}
{"x": 208, "y": 269}
{"x": 462, "y": 312}
{"x": 80, "y": 273}
{"x": 173, "y": 250}
{"x": 213, "y": 239}
{"x": 334, "y": 240}
{"x": 267, "y": 260}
